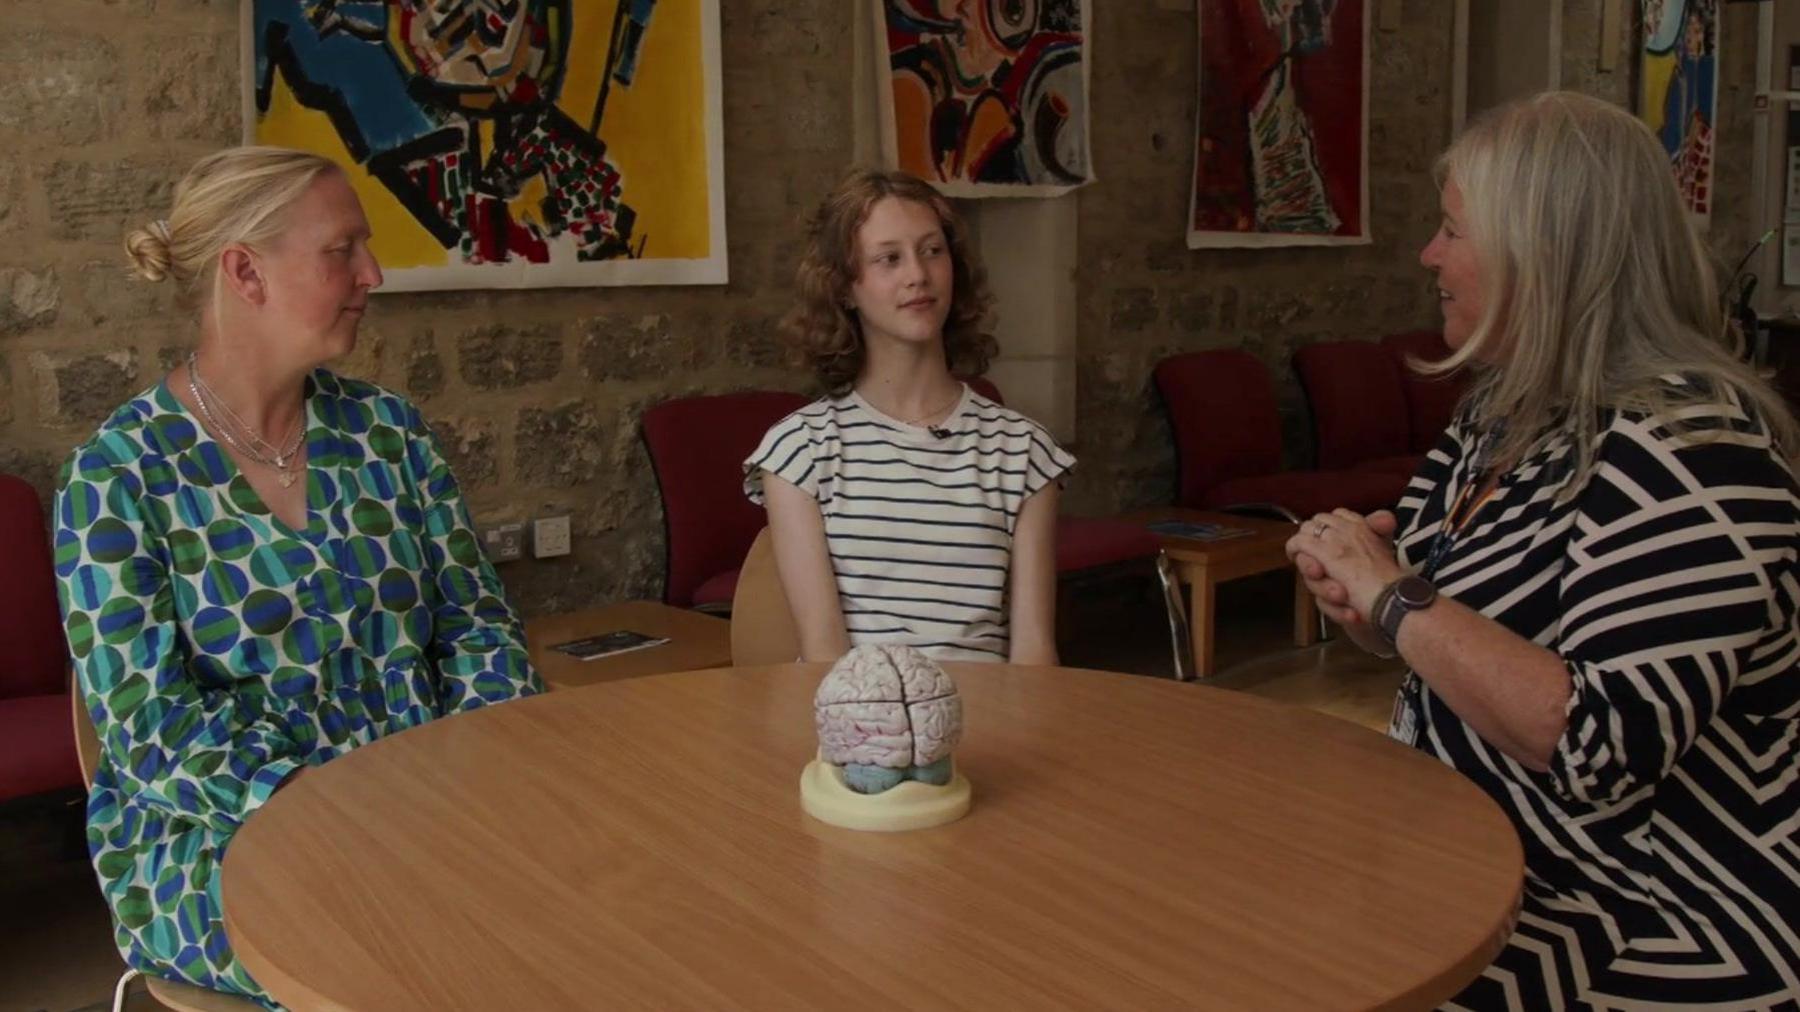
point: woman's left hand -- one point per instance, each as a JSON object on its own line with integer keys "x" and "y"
{"x": 1352, "y": 554}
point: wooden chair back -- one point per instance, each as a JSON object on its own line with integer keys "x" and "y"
{"x": 87, "y": 740}
{"x": 170, "y": 994}
{"x": 762, "y": 623}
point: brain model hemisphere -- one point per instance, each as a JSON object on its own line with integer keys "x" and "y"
{"x": 886, "y": 713}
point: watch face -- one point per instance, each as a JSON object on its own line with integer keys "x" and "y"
{"x": 1415, "y": 591}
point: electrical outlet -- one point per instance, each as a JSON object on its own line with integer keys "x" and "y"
{"x": 504, "y": 542}
{"x": 550, "y": 537}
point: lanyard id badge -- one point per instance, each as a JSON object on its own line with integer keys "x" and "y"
{"x": 1409, "y": 702}
{"x": 1403, "y": 726}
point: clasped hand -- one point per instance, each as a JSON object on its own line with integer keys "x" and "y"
{"x": 1346, "y": 559}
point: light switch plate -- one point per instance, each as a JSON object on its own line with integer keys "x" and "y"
{"x": 550, "y": 537}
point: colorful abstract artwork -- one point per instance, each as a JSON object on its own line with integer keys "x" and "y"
{"x": 1281, "y": 147}
{"x": 1678, "y": 75}
{"x": 507, "y": 143}
{"x": 986, "y": 98}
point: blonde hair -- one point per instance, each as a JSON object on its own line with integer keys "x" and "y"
{"x": 1597, "y": 284}
{"x": 824, "y": 334}
{"x": 232, "y": 196}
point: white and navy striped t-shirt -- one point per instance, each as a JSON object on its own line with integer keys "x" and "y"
{"x": 919, "y": 527}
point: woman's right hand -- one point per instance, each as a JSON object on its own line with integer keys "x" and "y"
{"x": 1334, "y": 600}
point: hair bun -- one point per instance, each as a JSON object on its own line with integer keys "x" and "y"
{"x": 149, "y": 251}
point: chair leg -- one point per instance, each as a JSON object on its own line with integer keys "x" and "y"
{"x": 1202, "y": 600}
{"x": 120, "y": 988}
{"x": 1176, "y": 606}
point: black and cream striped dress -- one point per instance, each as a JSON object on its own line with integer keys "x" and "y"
{"x": 1662, "y": 847}
{"x": 918, "y": 521}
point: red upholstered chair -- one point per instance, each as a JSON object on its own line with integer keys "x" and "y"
{"x": 37, "y": 742}
{"x": 1359, "y": 410}
{"x": 1221, "y": 406}
{"x": 1087, "y": 544}
{"x": 1430, "y": 400}
{"x": 697, "y": 449}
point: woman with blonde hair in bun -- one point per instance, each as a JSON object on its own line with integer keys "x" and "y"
{"x": 261, "y": 565}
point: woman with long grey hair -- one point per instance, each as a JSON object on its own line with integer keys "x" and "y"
{"x": 1593, "y": 578}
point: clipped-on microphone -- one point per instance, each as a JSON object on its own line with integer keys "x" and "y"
{"x": 939, "y": 432}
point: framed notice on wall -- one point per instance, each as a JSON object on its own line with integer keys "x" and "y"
{"x": 507, "y": 145}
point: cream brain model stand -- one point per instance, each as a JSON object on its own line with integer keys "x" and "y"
{"x": 888, "y": 720}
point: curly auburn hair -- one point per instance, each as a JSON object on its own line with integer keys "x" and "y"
{"x": 825, "y": 335}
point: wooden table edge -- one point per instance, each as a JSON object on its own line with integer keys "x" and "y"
{"x": 1450, "y": 982}
{"x": 1427, "y": 994}
{"x": 265, "y": 971}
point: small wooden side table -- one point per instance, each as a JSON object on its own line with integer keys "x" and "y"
{"x": 695, "y": 641}
{"x": 1205, "y": 564}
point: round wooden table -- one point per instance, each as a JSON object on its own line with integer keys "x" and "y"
{"x": 1134, "y": 843}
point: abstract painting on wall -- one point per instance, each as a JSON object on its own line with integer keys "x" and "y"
{"x": 986, "y": 98}
{"x": 507, "y": 143}
{"x": 1281, "y": 145}
{"x": 1678, "y": 79}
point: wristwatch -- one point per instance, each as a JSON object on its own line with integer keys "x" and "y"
{"x": 1396, "y": 600}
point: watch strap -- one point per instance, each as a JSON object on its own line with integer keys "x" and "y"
{"x": 1391, "y": 607}
{"x": 1387, "y": 614}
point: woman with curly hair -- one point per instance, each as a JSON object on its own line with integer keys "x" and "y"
{"x": 903, "y": 506}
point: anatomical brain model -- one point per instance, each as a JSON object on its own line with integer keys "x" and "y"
{"x": 888, "y": 719}
{"x": 887, "y": 714}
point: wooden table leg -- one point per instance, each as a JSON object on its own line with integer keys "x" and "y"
{"x": 1200, "y": 620}
{"x": 1306, "y": 614}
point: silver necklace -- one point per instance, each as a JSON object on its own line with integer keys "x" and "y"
{"x": 244, "y": 428}
{"x": 251, "y": 444}
{"x": 920, "y": 421}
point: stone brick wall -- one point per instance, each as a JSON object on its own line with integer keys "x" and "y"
{"x": 1143, "y": 295}
{"x": 537, "y": 394}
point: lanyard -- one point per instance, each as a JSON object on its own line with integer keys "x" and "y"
{"x": 1455, "y": 521}
{"x": 1409, "y": 702}
{"x": 1457, "y": 518}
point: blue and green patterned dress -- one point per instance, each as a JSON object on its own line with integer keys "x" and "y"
{"x": 218, "y": 649}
